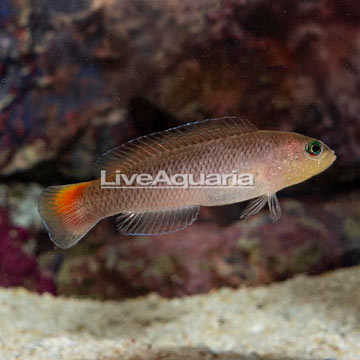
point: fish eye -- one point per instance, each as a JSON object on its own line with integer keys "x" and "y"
{"x": 314, "y": 148}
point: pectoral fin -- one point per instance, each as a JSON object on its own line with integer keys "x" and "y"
{"x": 257, "y": 204}
{"x": 274, "y": 207}
{"x": 253, "y": 207}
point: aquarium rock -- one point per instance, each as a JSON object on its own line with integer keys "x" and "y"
{"x": 300, "y": 319}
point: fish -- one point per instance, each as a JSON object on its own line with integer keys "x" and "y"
{"x": 213, "y": 147}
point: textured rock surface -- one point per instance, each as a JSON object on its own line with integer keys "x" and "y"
{"x": 18, "y": 240}
{"x": 83, "y": 71}
{"x": 301, "y": 319}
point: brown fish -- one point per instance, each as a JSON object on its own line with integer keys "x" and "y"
{"x": 211, "y": 148}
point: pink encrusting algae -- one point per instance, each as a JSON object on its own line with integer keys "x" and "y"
{"x": 275, "y": 160}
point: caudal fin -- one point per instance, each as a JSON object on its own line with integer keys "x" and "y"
{"x": 64, "y": 215}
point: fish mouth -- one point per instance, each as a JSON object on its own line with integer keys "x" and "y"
{"x": 331, "y": 157}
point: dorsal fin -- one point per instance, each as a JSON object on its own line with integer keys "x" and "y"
{"x": 141, "y": 149}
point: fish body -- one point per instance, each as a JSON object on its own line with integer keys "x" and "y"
{"x": 274, "y": 159}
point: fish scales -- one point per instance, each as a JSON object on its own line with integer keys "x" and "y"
{"x": 274, "y": 159}
{"x": 241, "y": 152}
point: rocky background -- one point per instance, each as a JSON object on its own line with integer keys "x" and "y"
{"x": 80, "y": 77}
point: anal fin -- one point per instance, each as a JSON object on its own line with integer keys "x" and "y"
{"x": 156, "y": 222}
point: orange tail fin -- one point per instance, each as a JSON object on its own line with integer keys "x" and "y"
{"x": 65, "y": 217}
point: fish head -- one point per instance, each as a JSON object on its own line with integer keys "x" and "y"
{"x": 301, "y": 157}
